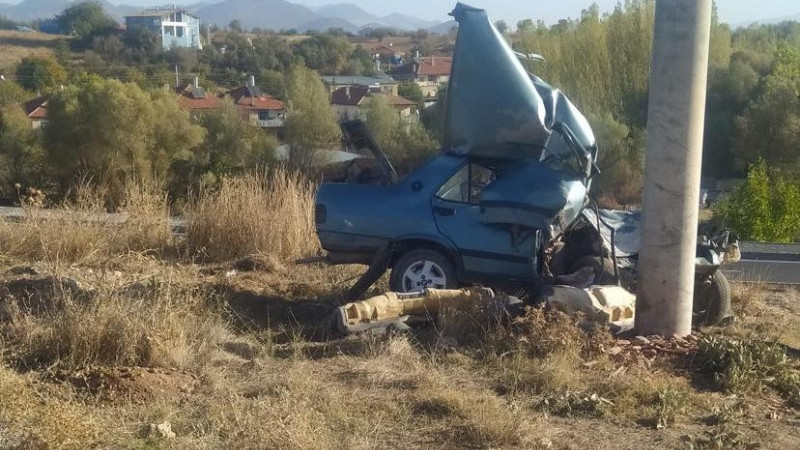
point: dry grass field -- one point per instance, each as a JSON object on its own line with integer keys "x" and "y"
{"x": 124, "y": 336}
{"x": 15, "y": 45}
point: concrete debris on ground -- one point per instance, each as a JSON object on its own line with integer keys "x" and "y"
{"x": 641, "y": 351}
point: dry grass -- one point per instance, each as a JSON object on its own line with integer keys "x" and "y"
{"x": 16, "y": 45}
{"x": 269, "y": 213}
{"x": 82, "y": 231}
{"x": 147, "y": 326}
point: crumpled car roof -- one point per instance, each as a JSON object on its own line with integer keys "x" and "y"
{"x": 495, "y": 109}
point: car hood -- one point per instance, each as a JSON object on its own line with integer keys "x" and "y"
{"x": 495, "y": 109}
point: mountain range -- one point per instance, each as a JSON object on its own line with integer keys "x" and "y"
{"x": 264, "y": 14}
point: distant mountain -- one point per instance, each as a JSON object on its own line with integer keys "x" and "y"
{"x": 349, "y": 12}
{"x": 326, "y": 23}
{"x": 405, "y": 22}
{"x": 443, "y": 28}
{"x": 264, "y": 14}
{"x": 28, "y": 10}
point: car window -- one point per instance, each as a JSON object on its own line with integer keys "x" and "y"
{"x": 466, "y": 185}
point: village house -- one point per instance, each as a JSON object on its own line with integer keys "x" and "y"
{"x": 175, "y": 27}
{"x": 429, "y": 73}
{"x": 258, "y": 108}
{"x": 380, "y": 84}
{"x": 348, "y": 102}
{"x": 36, "y": 110}
{"x": 194, "y": 98}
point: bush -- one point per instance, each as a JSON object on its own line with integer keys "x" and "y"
{"x": 269, "y": 213}
{"x": 765, "y": 208}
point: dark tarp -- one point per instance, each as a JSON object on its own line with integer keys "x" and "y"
{"x": 495, "y": 109}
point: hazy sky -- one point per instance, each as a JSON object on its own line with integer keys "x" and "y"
{"x": 731, "y": 11}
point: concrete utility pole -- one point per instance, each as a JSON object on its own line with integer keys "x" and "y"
{"x": 675, "y": 118}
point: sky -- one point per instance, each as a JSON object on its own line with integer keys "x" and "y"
{"x": 734, "y": 12}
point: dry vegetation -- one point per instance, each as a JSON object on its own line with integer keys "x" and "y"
{"x": 116, "y": 335}
{"x": 15, "y": 45}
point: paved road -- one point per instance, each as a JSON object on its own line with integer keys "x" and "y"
{"x": 766, "y": 263}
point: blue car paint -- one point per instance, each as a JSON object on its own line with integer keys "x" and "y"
{"x": 365, "y": 218}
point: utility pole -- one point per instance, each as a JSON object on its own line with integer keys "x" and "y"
{"x": 177, "y": 80}
{"x": 675, "y": 116}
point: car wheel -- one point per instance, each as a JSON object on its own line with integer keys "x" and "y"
{"x": 712, "y": 300}
{"x": 421, "y": 269}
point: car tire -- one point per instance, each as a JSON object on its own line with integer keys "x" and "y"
{"x": 603, "y": 269}
{"x": 712, "y": 300}
{"x": 420, "y": 269}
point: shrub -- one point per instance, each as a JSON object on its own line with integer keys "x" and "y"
{"x": 268, "y": 213}
{"x": 765, "y": 208}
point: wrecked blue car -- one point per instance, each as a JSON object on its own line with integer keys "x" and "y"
{"x": 505, "y": 203}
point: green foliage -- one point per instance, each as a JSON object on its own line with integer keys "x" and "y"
{"x": 765, "y": 208}
{"x": 20, "y": 150}
{"x": 232, "y": 144}
{"x": 11, "y": 92}
{"x": 109, "y": 130}
{"x": 405, "y": 142}
{"x": 411, "y": 91}
{"x": 744, "y": 366}
{"x": 620, "y": 161}
{"x": 38, "y": 74}
{"x": 310, "y": 120}
{"x": 85, "y": 21}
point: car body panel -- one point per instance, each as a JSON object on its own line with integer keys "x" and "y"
{"x": 487, "y": 76}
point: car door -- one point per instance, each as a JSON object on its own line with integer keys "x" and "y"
{"x": 486, "y": 250}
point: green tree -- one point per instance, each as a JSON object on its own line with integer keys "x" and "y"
{"x": 501, "y": 26}
{"x": 11, "y": 92}
{"x": 38, "y": 74}
{"x": 405, "y": 142}
{"x": 765, "y": 208}
{"x": 411, "y": 91}
{"x": 86, "y": 21}
{"x": 770, "y": 126}
{"x": 232, "y": 144}
{"x": 20, "y": 149}
{"x": 310, "y": 121}
{"x": 109, "y": 131}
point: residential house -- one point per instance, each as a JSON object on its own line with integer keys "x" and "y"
{"x": 348, "y": 103}
{"x": 258, "y": 108}
{"x": 380, "y": 84}
{"x": 429, "y": 73}
{"x": 175, "y": 27}
{"x": 36, "y": 110}
{"x": 194, "y": 98}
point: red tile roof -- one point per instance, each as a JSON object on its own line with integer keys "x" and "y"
{"x": 36, "y": 108}
{"x": 247, "y": 97}
{"x": 189, "y": 97}
{"x": 429, "y": 65}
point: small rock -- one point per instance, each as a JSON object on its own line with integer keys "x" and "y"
{"x": 636, "y": 348}
{"x": 163, "y": 430}
{"x": 642, "y": 340}
{"x": 613, "y": 351}
{"x": 692, "y": 338}
{"x": 623, "y": 342}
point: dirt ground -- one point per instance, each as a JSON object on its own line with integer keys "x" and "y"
{"x": 139, "y": 352}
